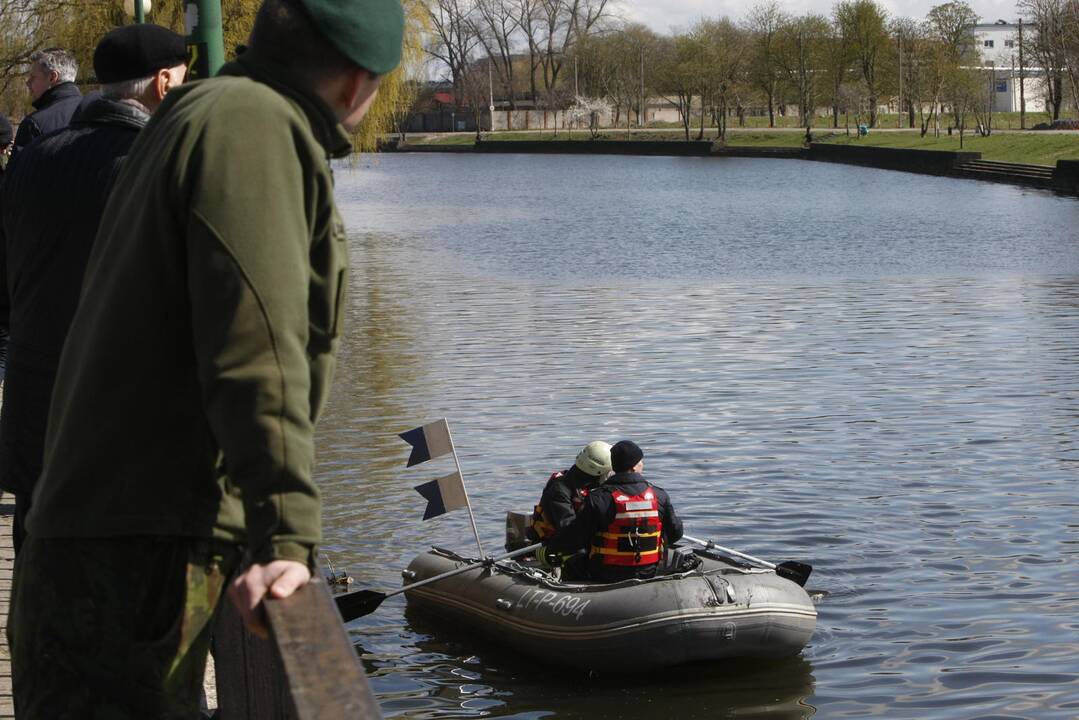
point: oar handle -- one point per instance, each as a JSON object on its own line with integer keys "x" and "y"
{"x": 466, "y": 568}
{"x": 710, "y": 544}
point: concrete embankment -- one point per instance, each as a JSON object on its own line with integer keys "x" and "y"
{"x": 1064, "y": 178}
{"x": 667, "y": 148}
{"x": 589, "y": 147}
{"x": 930, "y": 162}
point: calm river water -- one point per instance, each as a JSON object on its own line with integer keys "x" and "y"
{"x": 873, "y": 372}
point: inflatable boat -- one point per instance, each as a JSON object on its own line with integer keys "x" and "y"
{"x": 702, "y": 606}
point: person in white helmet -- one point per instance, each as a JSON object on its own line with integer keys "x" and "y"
{"x": 566, "y": 492}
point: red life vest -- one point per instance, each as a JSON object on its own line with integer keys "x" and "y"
{"x": 633, "y": 537}
{"x": 541, "y": 526}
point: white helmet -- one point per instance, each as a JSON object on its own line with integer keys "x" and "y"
{"x": 595, "y": 459}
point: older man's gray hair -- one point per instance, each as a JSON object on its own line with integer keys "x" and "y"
{"x": 128, "y": 89}
{"x": 57, "y": 60}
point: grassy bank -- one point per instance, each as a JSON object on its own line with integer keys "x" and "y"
{"x": 1033, "y": 148}
{"x": 1001, "y": 120}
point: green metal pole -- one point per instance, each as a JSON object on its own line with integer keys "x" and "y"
{"x": 205, "y": 40}
{"x": 140, "y": 16}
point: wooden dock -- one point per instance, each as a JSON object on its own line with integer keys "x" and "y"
{"x": 7, "y": 564}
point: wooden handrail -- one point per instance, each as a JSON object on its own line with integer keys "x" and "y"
{"x": 307, "y": 671}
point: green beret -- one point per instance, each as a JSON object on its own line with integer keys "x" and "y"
{"x": 367, "y": 32}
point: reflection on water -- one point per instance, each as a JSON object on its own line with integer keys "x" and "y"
{"x": 445, "y": 673}
{"x": 884, "y": 389}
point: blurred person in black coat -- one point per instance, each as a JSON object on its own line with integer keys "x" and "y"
{"x": 45, "y": 250}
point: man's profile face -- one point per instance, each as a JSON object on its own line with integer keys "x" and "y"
{"x": 38, "y": 80}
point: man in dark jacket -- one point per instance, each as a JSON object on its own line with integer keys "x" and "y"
{"x": 563, "y": 497}
{"x": 624, "y": 523}
{"x": 44, "y": 251}
{"x": 565, "y": 492}
{"x": 51, "y": 82}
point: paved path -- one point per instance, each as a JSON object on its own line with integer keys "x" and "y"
{"x": 7, "y": 562}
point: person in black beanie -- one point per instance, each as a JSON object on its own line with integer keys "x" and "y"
{"x": 624, "y": 523}
{"x": 43, "y": 252}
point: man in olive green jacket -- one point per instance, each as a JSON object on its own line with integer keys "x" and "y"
{"x": 196, "y": 366}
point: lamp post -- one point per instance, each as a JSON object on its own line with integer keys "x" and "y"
{"x": 205, "y": 40}
{"x": 137, "y": 9}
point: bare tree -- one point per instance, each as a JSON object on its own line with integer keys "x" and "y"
{"x": 454, "y": 39}
{"x": 1055, "y": 45}
{"x": 552, "y": 29}
{"x": 495, "y": 24}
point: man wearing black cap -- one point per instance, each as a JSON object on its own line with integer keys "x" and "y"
{"x": 624, "y": 524}
{"x": 44, "y": 250}
{"x": 181, "y": 432}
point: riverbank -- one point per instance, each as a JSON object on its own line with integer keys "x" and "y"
{"x": 991, "y": 158}
{"x": 1027, "y": 147}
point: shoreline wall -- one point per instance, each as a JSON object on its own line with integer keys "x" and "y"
{"x": 666, "y": 148}
{"x": 928, "y": 162}
{"x": 1066, "y": 176}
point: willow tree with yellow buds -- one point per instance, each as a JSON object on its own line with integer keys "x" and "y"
{"x": 29, "y": 25}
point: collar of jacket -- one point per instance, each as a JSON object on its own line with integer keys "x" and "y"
{"x": 623, "y": 479}
{"x": 333, "y": 138}
{"x": 56, "y": 92}
{"x": 110, "y": 111}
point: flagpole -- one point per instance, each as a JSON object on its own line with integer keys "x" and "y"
{"x": 464, "y": 489}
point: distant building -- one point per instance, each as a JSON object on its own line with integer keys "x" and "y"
{"x": 998, "y": 44}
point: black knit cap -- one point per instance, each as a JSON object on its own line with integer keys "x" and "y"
{"x": 625, "y": 455}
{"x": 137, "y": 51}
{"x": 6, "y": 133}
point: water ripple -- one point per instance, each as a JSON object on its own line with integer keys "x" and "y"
{"x": 887, "y": 389}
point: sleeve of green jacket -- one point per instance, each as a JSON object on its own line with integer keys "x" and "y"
{"x": 248, "y": 254}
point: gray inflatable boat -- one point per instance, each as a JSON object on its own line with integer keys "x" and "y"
{"x": 718, "y": 610}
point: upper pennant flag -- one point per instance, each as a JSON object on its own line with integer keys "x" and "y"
{"x": 429, "y": 441}
{"x": 445, "y": 494}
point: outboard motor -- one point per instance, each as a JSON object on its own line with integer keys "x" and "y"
{"x": 681, "y": 559}
{"x": 517, "y": 526}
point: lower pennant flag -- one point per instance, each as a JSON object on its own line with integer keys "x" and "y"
{"x": 442, "y": 495}
{"x": 428, "y": 441}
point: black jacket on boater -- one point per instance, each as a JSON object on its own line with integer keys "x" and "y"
{"x": 597, "y": 515}
{"x": 53, "y": 111}
{"x": 558, "y": 495}
{"x": 51, "y": 204}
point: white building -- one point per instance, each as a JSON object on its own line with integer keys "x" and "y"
{"x": 998, "y": 43}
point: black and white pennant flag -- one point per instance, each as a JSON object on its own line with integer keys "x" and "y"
{"x": 428, "y": 441}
